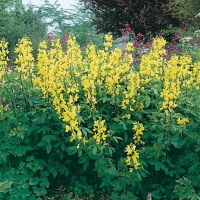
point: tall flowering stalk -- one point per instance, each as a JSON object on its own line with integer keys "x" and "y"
{"x": 3, "y": 58}
{"x": 24, "y": 63}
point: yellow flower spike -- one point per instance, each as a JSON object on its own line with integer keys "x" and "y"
{"x": 177, "y": 76}
{"x": 159, "y": 43}
{"x": 127, "y": 116}
{"x": 132, "y": 158}
{"x": 79, "y": 135}
{"x": 25, "y": 60}
{"x": 129, "y": 46}
{"x": 108, "y": 41}
{"x": 3, "y": 58}
{"x": 73, "y": 137}
{"x": 129, "y": 150}
{"x": 151, "y": 66}
{"x": 54, "y": 68}
{"x": 99, "y": 131}
{"x": 108, "y": 37}
{"x": 136, "y": 165}
{"x": 139, "y": 129}
{"x": 182, "y": 121}
{"x": 128, "y": 160}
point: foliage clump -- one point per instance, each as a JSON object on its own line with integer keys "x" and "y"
{"x": 94, "y": 120}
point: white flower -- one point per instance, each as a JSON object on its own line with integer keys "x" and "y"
{"x": 197, "y": 33}
{"x": 185, "y": 39}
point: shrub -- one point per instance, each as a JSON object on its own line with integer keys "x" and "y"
{"x": 186, "y": 11}
{"x": 144, "y": 16}
{"x": 94, "y": 121}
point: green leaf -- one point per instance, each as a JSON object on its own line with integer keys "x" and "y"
{"x": 48, "y": 138}
{"x": 34, "y": 181}
{"x": 37, "y": 119}
{"x": 139, "y": 176}
{"x": 21, "y": 150}
{"x": 48, "y": 147}
{"x": 124, "y": 126}
{"x": 54, "y": 173}
{"x": 147, "y": 102}
{"x": 177, "y": 142}
{"x": 30, "y": 158}
{"x": 5, "y": 185}
{"x": 94, "y": 151}
{"x": 155, "y": 185}
{"x": 163, "y": 167}
{"x": 40, "y": 191}
{"x": 162, "y": 189}
{"x": 155, "y": 91}
{"x": 143, "y": 174}
{"x": 84, "y": 131}
{"x": 63, "y": 146}
{"x": 116, "y": 139}
{"x": 36, "y": 100}
{"x": 157, "y": 165}
{"x": 88, "y": 130}
{"x": 42, "y": 144}
{"x": 79, "y": 152}
{"x": 72, "y": 150}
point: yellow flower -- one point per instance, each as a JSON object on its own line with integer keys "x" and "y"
{"x": 182, "y": 121}
{"x": 67, "y": 128}
{"x": 108, "y": 37}
{"x": 25, "y": 59}
{"x": 130, "y": 169}
{"x": 3, "y": 58}
{"x": 132, "y": 158}
{"x": 99, "y": 131}
{"x": 129, "y": 47}
{"x": 139, "y": 129}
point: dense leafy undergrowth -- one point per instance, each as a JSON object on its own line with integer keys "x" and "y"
{"x": 100, "y": 124}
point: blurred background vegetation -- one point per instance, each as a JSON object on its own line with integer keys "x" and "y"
{"x": 91, "y": 19}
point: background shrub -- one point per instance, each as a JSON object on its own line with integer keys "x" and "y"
{"x": 143, "y": 16}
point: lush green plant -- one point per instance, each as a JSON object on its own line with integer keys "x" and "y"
{"x": 91, "y": 121}
{"x": 29, "y": 128}
{"x": 184, "y": 189}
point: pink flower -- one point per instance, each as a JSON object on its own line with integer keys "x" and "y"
{"x": 136, "y": 44}
{"x": 140, "y": 35}
{"x": 161, "y": 33}
{"x": 177, "y": 36}
{"x": 127, "y": 25}
{"x": 50, "y": 36}
{"x": 148, "y": 45}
